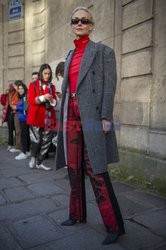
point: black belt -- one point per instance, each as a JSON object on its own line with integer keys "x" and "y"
{"x": 72, "y": 95}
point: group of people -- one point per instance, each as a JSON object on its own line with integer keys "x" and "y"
{"x": 87, "y": 98}
{"x": 13, "y": 101}
{"x": 30, "y": 115}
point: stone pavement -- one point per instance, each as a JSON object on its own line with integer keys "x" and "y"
{"x": 33, "y": 203}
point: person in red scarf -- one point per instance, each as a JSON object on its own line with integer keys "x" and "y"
{"x": 41, "y": 116}
{"x": 87, "y": 142}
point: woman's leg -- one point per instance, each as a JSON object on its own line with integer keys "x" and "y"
{"x": 25, "y": 140}
{"x": 77, "y": 208}
{"x": 46, "y": 138}
{"x": 10, "y": 124}
{"x": 35, "y": 137}
{"x": 18, "y": 131}
{"x": 106, "y": 199}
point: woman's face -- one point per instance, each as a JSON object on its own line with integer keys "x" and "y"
{"x": 21, "y": 90}
{"x": 81, "y": 29}
{"x": 46, "y": 74}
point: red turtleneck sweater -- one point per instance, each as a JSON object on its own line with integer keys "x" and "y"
{"x": 80, "y": 45}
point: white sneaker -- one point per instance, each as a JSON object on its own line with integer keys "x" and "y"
{"x": 8, "y": 148}
{"x": 28, "y": 154}
{"x": 41, "y": 166}
{"x": 14, "y": 150}
{"x": 32, "y": 163}
{"x": 21, "y": 156}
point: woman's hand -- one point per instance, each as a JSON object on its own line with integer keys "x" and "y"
{"x": 13, "y": 107}
{"x": 48, "y": 97}
{"x": 59, "y": 94}
{"x": 106, "y": 124}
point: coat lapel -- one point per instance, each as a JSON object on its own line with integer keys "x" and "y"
{"x": 66, "y": 72}
{"x": 87, "y": 60}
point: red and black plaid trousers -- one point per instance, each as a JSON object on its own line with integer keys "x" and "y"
{"x": 78, "y": 166}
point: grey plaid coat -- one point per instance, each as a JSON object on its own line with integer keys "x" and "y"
{"x": 95, "y": 92}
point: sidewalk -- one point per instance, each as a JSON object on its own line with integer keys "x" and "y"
{"x": 33, "y": 203}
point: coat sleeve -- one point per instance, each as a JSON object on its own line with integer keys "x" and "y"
{"x": 31, "y": 96}
{"x": 110, "y": 79}
{"x": 3, "y": 99}
{"x": 54, "y": 92}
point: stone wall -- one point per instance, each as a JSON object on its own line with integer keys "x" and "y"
{"x": 136, "y": 31}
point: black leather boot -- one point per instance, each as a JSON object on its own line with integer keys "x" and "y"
{"x": 69, "y": 222}
{"x": 110, "y": 238}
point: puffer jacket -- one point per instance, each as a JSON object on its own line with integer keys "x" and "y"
{"x": 22, "y": 116}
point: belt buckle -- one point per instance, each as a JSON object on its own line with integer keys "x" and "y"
{"x": 73, "y": 95}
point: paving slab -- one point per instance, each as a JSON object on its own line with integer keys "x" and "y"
{"x": 2, "y": 200}
{"x": 7, "y": 241}
{"x": 34, "y": 203}
{"x": 122, "y": 187}
{"x": 161, "y": 247}
{"x": 15, "y": 171}
{"x": 16, "y": 194}
{"x": 155, "y": 221}
{"x": 34, "y": 231}
{"x": 35, "y": 177}
{"x": 87, "y": 239}
{"x": 63, "y": 184}
{"x": 148, "y": 199}
{"x": 137, "y": 237}
{"x": 9, "y": 183}
{"x": 62, "y": 200}
{"x": 26, "y": 208}
{"x": 45, "y": 188}
{"x": 130, "y": 207}
{"x": 40, "y": 176}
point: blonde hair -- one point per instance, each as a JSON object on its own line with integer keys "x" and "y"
{"x": 85, "y": 9}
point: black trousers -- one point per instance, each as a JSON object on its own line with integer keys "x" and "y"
{"x": 11, "y": 128}
{"x": 25, "y": 139}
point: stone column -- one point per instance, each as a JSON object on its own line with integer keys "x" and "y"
{"x": 28, "y": 40}
{"x": 158, "y": 96}
{"x": 1, "y": 50}
{"x": 137, "y": 23}
{"x": 5, "y": 44}
{"x": 34, "y": 36}
{"x": 38, "y": 34}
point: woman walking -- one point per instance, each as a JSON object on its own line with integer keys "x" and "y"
{"x": 88, "y": 142}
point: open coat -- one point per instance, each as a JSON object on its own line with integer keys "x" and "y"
{"x": 95, "y": 93}
{"x": 37, "y": 111}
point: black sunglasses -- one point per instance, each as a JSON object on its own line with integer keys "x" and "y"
{"x": 83, "y": 21}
